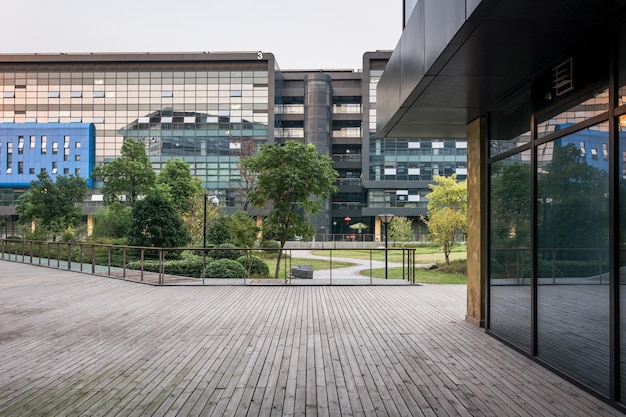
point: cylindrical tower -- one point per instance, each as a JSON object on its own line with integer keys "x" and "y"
{"x": 318, "y": 128}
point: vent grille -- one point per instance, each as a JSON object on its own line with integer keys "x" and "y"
{"x": 562, "y": 78}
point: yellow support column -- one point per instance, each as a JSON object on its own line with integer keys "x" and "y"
{"x": 477, "y": 148}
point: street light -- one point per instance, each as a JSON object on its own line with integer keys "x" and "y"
{"x": 214, "y": 202}
{"x": 323, "y": 235}
{"x": 385, "y": 219}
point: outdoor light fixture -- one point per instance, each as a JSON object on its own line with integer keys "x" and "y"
{"x": 385, "y": 219}
{"x": 214, "y": 202}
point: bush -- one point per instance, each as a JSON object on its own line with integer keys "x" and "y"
{"x": 255, "y": 266}
{"x": 225, "y": 268}
{"x": 188, "y": 267}
{"x": 269, "y": 246}
{"x": 226, "y": 252}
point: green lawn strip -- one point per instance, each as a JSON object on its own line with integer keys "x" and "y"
{"x": 424, "y": 254}
{"x": 422, "y": 276}
{"x": 317, "y": 264}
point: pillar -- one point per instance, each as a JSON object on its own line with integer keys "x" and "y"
{"x": 477, "y": 152}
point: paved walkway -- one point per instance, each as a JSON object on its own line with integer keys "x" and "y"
{"x": 75, "y": 344}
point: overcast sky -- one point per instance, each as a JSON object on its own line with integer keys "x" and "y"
{"x": 328, "y": 34}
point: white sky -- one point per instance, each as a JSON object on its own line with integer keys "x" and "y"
{"x": 319, "y": 34}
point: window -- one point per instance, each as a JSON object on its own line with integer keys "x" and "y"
{"x": 20, "y": 167}
{"x": 33, "y": 142}
{"x": 77, "y": 172}
{"x": 55, "y": 148}
{"x": 44, "y": 144}
{"x": 76, "y": 94}
{"x": 55, "y": 167}
{"x": 99, "y": 94}
{"x": 53, "y": 94}
{"x": 20, "y": 145}
{"x": 167, "y": 93}
{"x": 8, "y": 94}
{"x": 31, "y": 171}
{"x": 77, "y": 157}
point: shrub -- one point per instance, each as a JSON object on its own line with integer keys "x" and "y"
{"x": 255, "y": 266}
{"x": 225, "y": 268}
{"x": 226, "y": 252}
{"x": 188, "y": 267}
{"x": 269, "y": 246}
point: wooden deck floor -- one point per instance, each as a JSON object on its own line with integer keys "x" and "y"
{"x": 73, "y": 344}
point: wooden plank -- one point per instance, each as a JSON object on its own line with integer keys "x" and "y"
{"x": 77, "y": 344}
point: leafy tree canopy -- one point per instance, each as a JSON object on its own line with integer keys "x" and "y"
{"x": 52, "y": 205}
{"x": 154, "y": 222}
{"x": 401, "y": 229}
{"x": 293, "y": 181}
{"x": 128, "y": 177}
{"x": 447, "y": 212}
{"x": 181, "y": 187}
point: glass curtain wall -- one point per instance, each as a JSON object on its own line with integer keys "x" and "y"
{"x": 550, "y": 280}
{"x": 207, "y": 114}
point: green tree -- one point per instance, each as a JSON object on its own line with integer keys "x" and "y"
{"x": 243, "y": 229}
{"x": 52, "y": 206}
{"x": 401, "y": 229}
{"x": 127, "y": 177}
{"x": 111, "y": 221}
{"x": 293, "y": 181}
{"x": 179, "y": 185}
{"x": 217, "y": 230}
{"x": 154, "y": 222}
{"x": 443, "y": 225}
{"x": 447, "y": 212}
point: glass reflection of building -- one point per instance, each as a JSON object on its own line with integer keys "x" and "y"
{"x": 546, "y": 168}
{"x": 208, "y": 110}
{"x": 200, "y": 108}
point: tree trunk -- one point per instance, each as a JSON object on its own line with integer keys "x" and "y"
{"x": 280, "y": 255}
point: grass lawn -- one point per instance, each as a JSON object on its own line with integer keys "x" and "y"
{"x": 453, "y": 274}
{"x": 424, "y": 276}
{"x": 423, "y": 254}
{"x": 286, "y": 264}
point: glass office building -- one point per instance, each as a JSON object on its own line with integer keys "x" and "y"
{"x": 540, "y": 93}
{"x": 209, "y": 110}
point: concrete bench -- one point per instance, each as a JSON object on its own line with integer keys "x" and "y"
{"x": 302, "y": 271}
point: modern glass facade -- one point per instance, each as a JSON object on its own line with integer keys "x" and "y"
{"x": 539, "y": 90}
{"x": 556, "y": 219}
{"x": 203, "y": 110}
{"x": 209, "y": 110}
{"x": 399, "y": 170}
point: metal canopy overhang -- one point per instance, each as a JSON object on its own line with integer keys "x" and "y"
{"x": 455, "y": 61}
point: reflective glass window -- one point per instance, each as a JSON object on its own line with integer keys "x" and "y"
{"x": 572, "y": 209}
{"x": 587, "y": 109}
{"x": 621, "y": 172}
{"x": 510, "y": 263}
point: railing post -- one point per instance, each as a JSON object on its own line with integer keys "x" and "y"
{"x": 93, "y": 259}
{"x": 69, "y": 256}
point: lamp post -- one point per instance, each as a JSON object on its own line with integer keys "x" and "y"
{"x": 385, "y": 219}
{"x": 215, "y": 202}
{"x": 323, "y": 235}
